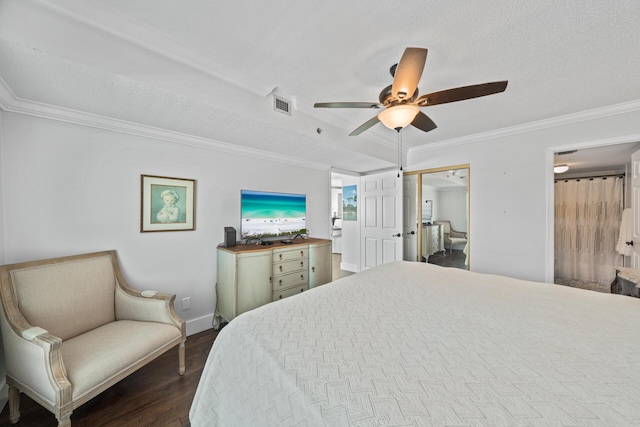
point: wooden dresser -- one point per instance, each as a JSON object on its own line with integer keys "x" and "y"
{"x": 249, "y": 276}
{"x": 432, "y": 240}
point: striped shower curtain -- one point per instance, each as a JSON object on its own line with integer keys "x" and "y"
{"x": 588, "y": 213}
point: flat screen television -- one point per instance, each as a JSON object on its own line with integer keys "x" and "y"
{"x": 268, "y": 214}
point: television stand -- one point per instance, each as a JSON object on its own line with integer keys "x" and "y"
{"x": 249, "y": 276}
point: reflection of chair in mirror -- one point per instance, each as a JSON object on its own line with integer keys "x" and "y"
{"x": 451, "y": 236}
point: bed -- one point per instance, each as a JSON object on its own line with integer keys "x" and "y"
{"x": 413, "y": 344}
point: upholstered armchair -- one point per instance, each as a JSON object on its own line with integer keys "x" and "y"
{"x": 72, "y": 327}
{"x": 451, "y": 236}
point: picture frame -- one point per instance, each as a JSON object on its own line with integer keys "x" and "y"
{"x": 167, "y": 204}
{"x": 350, "y": 203}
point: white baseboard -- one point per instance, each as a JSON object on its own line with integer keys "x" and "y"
{"x": 349, "y": 267}
{"x": 200, "y": 324}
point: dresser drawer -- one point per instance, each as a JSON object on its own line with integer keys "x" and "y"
{"x": 289, "y": 280}
{"x": 289, "y": 292}
{"x": 290, "y": 266}
{"x": 290, "y": 254}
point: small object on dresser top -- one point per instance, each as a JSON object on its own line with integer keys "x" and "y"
{"x": 286, "y": 242}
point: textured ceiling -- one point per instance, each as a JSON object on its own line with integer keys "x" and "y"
{"x": 208, "y": 69}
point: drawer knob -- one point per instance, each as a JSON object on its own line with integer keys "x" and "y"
{"x": 301, "y": 263}
{"x": 280, "y": 297}
{"x": 302, "y": 277}
{"x": 280, "y": 267}
{"x": 280, "y": 256}
{"x": 313, "y": 269}
{"x": 301, "y": 290}
{"x": 280, "y": 281}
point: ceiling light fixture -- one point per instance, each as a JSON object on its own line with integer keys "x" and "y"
{"x": 560, "y": 168}
{"x": 398, "y": 116}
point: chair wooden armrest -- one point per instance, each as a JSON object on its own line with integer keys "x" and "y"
{"x": 131, "y": 304}
{"x": 459, "y": 234}
{"x": 40, "y": 359}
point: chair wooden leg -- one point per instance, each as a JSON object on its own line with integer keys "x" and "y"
{"x": 181, "y": 358}
{"x": 14, "y": 405}
{"x": 64, "y": 421}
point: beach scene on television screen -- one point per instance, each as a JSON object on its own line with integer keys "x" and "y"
{"x": 266, "y": 214}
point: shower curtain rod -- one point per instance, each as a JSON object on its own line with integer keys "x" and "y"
{"x": 578, "y": 178}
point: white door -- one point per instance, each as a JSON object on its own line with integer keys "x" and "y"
{"x": 410, "y": 217}
{"x": 381, "y": 223}
{"x": 635, "y": 204}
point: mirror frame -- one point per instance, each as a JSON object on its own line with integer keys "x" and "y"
{"x": 419, "y": 197}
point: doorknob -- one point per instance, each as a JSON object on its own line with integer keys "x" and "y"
{"x": 412, "y": 232}
{"x": 397, "y": 235}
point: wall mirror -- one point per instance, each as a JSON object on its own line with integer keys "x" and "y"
{"x": 436, "y": 216}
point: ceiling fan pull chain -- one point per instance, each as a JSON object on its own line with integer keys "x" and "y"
{"x": 400, "y": 136}
{"x": 398, "y": 129}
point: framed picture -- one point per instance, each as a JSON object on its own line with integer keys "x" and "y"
{"x": 167, "y": 204}
{"x": 350, "y": 203}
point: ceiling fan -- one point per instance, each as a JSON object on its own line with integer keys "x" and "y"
{"x": 401, "y": 102}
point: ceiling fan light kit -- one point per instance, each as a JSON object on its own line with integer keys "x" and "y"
{"x": 560, "y": 168}
{"x": 399, "y": 116}
{"x": 402, "y": 109}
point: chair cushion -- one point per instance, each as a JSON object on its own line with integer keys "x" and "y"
{"x": 92, "y": 358}
{"x": 457, "y": 240}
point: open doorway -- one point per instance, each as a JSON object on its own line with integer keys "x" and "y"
{"x": 343, "y": 235}
{"x": 591, "y": 189}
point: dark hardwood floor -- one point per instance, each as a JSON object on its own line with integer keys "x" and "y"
{"x": 155, "y": 395}
{"x": 455, "y": 259}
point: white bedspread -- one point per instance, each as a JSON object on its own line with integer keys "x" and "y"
{"x": 412, "y": 344}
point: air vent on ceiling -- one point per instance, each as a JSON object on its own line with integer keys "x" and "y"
{"x": 563, "y": 153}
{"x": 282, "y": 105}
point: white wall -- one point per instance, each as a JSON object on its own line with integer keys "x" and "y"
{"x": 511, "y": 186}
{"x": 336, "y": 202}
{"x": 430, "y": 193}
{"x": 70, "y": 189}
{"x": 452, "y": 203}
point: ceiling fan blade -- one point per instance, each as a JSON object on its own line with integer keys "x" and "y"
{"x": 348, "y": 105}
{"x": 366, "y": 125}
{"x": 408, "y": 72}
{"x": 461, "y": 93}
{"x": 423, "y": 122}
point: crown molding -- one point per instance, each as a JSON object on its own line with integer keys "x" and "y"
{"x": 11, "y": 103}
{"x": 568, "y": 119}
{"x": 6, "y": 95}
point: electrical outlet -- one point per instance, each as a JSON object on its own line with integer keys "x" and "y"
{"x": 186, "y": 303}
